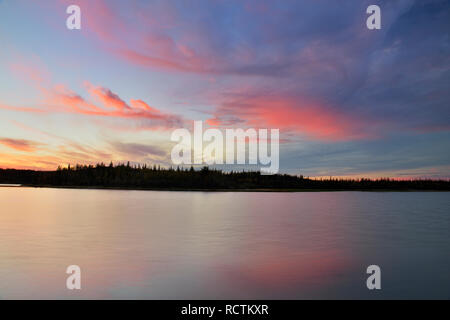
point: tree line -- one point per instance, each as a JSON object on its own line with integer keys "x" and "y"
{"x": 127, "y": 176}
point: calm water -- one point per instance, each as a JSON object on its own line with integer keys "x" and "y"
{"x": 189, "y": 245}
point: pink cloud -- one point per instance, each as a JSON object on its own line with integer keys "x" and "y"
{"x": 113, "y": 106}
{"x": 142, "y": 105}
{"x": 291, "y": 115}
{"x": 107, "y": 97}
{"x": 146, "y": 40}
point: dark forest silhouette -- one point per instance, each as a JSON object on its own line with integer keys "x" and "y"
{"x": 125, "y": 176}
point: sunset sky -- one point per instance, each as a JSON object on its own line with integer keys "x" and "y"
{"x": 348, "y": 101}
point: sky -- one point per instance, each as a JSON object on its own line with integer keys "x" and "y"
{"x": 348, "y": 101}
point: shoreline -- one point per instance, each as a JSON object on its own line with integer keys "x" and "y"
{"x": 223, "y": 190}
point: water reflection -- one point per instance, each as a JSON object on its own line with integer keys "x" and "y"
{"x": 180, "y": 245}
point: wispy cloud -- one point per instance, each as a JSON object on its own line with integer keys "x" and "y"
{"x": 20, "y": 144}
{"x": 133, "y": 150}
{"x": 295, "y": 115}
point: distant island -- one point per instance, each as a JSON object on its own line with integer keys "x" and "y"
{"x": 125, "y": 176}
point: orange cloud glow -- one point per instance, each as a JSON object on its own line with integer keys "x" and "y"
{"x": 19, "y": 144}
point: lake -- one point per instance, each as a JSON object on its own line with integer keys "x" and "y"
{"x": 223, "y": 245}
